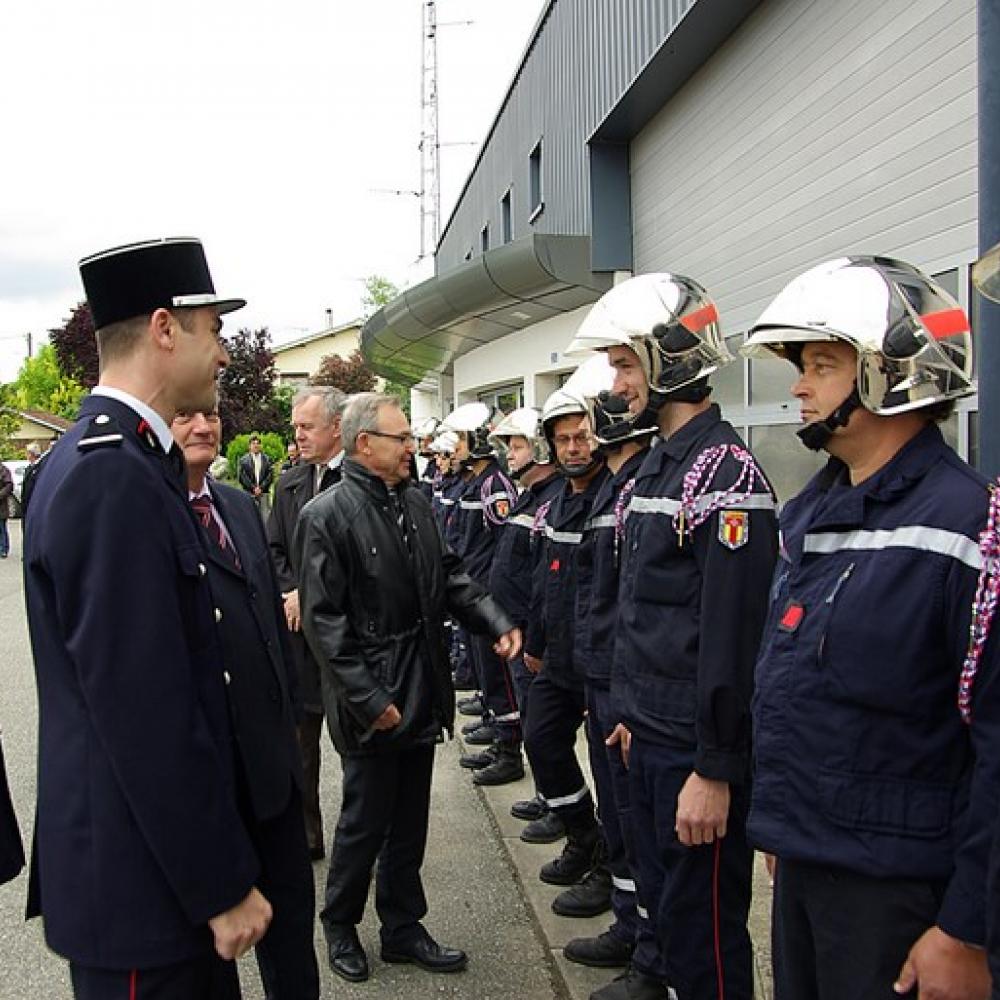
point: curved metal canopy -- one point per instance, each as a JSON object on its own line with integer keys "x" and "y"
{"x": 425, "y": 328}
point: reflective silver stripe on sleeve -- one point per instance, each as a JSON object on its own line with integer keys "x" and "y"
{"x": 510, "y": 717}
{"x": 910, "y": 536}
{"x": 447, "y": 502}
{"x": 470, "y": 504}
{"x": 566, "y": 537}
{"x": 522, "y": 521}
{"x": 623, "y": 884}
{"x": 601, "y": 521}
{"x": 667, "y": 505}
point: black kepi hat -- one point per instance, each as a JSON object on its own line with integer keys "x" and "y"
{"x": 137, "y": 279}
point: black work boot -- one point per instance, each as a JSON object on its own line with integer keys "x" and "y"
{"x": 632, "y": 985}
{"x": 583, "y": 840}
{"x": 606, "y": 951}
{"x": 482, "y": 736}
{"x": 507, "y": 766}
{"x": 588, "y": 898}
{"x": 470, "y": 706}
{"x": 547, "y": 829}
{"x": 483, "y": 758}
{"x": 529, "y": 808}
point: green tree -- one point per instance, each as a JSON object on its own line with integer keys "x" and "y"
{"x": 42, "y": 385}
{"x": 379, "y": 291}
{"x": 351, "y": 375}
{"x": 246, "y": 387}
{"x": 270, "y": 443}
{"x": 10, "y": 423}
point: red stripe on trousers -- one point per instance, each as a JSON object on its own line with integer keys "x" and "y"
{"x": 715, "y": 921}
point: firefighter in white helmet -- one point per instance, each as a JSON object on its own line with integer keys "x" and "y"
{"x": 696, "y": 556}
{"x": 869, "y": 787}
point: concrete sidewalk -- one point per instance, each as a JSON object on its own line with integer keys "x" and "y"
{"x": 526, "y": 859}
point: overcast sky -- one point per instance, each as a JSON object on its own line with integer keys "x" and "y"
{"x": 264, "y": 128}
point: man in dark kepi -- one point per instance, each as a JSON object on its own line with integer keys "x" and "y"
{"x": 375, "y": 584}
{"x": 143, "y": 868}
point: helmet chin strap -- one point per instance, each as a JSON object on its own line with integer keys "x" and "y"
{"x": 576, "y": 471}
{"x": 524, "y": 468}
{"x": 815, "y": 435}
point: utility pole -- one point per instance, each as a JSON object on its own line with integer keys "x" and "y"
{"x": 27, "y": 337}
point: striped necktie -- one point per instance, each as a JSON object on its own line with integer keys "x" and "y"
{"x": 202, "y": 507}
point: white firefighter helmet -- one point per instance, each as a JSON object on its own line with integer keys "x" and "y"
{"x": 986, "y": 274}
{"x": 913, "y": 339}
{"x": 523, "y": 422}
{"x": 473, "y": 420}
{"x": 445, "y": 443}
{"x": 670, "y": 322}
{"x": 564, "y": 402}
{"x": 426, "y": 427}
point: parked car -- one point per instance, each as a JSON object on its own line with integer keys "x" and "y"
{"x": 17, "y": 467}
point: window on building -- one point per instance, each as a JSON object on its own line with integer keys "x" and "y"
{"x": 784, "y": 459}
{"x": 536, "y": 205}
{"x": 505, "y": 225}
{"x": 484, "y": 238}
{"x": 504, "y": 398}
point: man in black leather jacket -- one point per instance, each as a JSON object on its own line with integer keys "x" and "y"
{"x": 376, "y": 582}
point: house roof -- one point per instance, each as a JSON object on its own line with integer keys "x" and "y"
{"x": 50, "y": 420}
{"x": 354, "y": 324}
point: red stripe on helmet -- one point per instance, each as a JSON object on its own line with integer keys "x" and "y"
{"x": 700, "y": 318}
{"x": 946, "y": 323}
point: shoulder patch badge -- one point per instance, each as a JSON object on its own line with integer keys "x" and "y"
{"x": 734, "y": 528}
{"x": 502, "y": 508}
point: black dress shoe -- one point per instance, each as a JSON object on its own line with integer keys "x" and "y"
{"x": 529, "y": 809}
{"x": 471, "y": 727}
{"x": 470, "y": 706}
{"x": 347, "y": 957}
{"x": 546, "y": 829}
{"x": 426, "y": 953}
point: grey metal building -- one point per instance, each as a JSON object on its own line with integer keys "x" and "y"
{"x": 738, "y": 141}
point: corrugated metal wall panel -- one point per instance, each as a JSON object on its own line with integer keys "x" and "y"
{"x": 819, "y": 128}
{"x": 585, "y": 56}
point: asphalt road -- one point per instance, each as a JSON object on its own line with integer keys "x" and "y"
{"x": 476, "y": 900}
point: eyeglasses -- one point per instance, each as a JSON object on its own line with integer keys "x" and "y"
{"x": 404, "y": 439}
{"x": 562, "y": 440}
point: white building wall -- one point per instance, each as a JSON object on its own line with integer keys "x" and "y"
{"x": 822, "y": 127}
{"x": 532, "y": 357}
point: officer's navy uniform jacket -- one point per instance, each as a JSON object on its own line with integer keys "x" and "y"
{"x": 138, "y": 840}
{"x": 518, "y": 549}
{"x": 374, "y": 599}
{"x": 295, "y": 489}
{"x": 692, "y": 609}
{"x": 256, "y": 654}
{"x": 477, "y": 520}
{"x": 452, "y": 487}
{"x": 861, "y": 760}
{"x": 598, "y": 562}
{"x": 550, "y": 634}
{"x": 11, "y": 849}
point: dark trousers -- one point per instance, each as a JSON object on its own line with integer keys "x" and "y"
{"x": 631, "y": 910}
{"x": 837, "y": 934}
{"x": 555, "y": 715}
{"x": 699, "y": 897}
{"x": 522, "y": 678}
{"x": 310, "y": 733}
{"x": 285, "y": 955}
{"x": 206, "y": 978}
{"x": 499, "y": 698}
{"x": 384, "y": 814}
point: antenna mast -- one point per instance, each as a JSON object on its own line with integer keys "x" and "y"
{"x": 430, "y": 144}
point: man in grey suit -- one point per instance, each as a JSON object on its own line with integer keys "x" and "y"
{"x": 316, "y": 412}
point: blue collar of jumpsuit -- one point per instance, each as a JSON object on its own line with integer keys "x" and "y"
{"x": 845, "y": 506}
{"x": 676, "y": 447}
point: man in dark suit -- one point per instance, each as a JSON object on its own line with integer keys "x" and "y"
{"x": 256, "y": 473}
{"x": 142, "y": 866}
{"x": 316, "y": 412}
{"x": 257, "y": 657}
